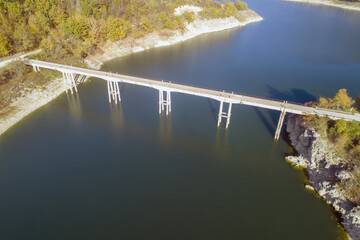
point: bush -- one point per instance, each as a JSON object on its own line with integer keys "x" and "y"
{"x": 137, "y": 33}
{"x": 189, "y": 16}
{"x": 146, "y": 24}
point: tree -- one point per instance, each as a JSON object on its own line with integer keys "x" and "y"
{"x": 5, "y": 46}
{"x": 75, "y": 27}
{"x": 189, "y": 16}
{"x": 357, "y": 101}
{"x": 146, "y": 24}
{"x": 117, "y": 29}
{"x": 240, "y": 5}
{"x": 342, "y": 100}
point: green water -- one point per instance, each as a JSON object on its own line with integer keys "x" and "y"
{"x": 80, "y": 169}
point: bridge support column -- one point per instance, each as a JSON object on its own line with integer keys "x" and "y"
{"x": 36, "y": 68}
{"x": 69, "y": 82}
{"x": 164, "y": 103}
{"x": 281, "y": 121}
{"x": 113, "y": 91}
{"x": 224, "y": 114}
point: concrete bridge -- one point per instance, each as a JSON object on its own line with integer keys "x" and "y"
{"x": 73, "y": 75}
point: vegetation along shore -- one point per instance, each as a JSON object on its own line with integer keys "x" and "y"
{"x": 88, "y": 33}
{"x": 329, "y": 152}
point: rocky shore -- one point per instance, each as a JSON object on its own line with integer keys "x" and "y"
{"x": 332, "y": 3}
{"x": 28, "y": 103}
{"x": 324, "y": 171}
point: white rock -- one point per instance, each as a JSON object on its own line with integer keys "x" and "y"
{"x": 187, "y": 8}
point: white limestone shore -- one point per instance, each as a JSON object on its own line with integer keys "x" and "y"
{"x": 355, "y": 6}
{"x": 122, "y": 48}
{"x": 23, "y": 106}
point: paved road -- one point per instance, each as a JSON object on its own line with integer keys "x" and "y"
{"x": 229, "y": 97}
{"x": 7, "y": 60}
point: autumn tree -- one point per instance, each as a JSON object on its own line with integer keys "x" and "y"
{"x": 117, "y": 28}
{"x": 75, "y": 27}
{"x": 342, "y": 100}
{"x": 240, "y": 5}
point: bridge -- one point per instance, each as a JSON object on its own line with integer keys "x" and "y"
{"x": 73, "y": 75}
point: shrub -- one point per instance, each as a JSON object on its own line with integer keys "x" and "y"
{"x": 146, "y": 24}
{"x": 189, "y": 16}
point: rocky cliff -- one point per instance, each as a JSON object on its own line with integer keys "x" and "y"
{"x": 325, "y": 171}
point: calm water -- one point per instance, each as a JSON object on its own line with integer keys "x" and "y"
{"x": 78, "y": 169}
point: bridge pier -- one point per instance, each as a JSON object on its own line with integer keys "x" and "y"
{"x": 164, "y": 102}
{"x": 281, "y": 121}
{"x": 69, "y": 82}
{"x": 36, "y": 68}
{"x": 113, "y": 91}
{"x": 224, "y": 114}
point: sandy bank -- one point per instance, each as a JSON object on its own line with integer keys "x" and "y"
{"x": 324, "y": 171}
{"x": 332, "y": 3}
{"x": 24, "y": 105}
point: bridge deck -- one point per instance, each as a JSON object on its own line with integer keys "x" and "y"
{"x": 234, "y": 98}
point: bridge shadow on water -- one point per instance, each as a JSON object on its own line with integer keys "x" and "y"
{"x": 293, "y": 95}
{"x": 214, "y": 108}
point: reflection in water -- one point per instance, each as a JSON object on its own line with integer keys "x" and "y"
{"x": 165, "y": 134}
{"x": 75, "y": 108}
{"x": 117, "y": 117}
{"x": 221, "y": 143}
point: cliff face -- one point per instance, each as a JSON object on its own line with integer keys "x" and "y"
{"x": 324, "y": 170}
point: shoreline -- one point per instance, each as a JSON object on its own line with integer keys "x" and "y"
{"x": 324, "y": 171}
{"x": 331, "y": 3}
{"x": 154, "y": 40}
{"x": 23, "y": 106}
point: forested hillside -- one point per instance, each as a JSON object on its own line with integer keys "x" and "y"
{"x": 74, "y": 28}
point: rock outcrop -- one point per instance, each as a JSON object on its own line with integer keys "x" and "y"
{"x": 325, "y": 171}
